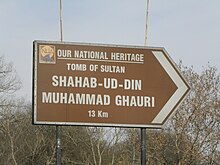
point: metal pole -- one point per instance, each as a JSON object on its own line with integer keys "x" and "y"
{"x": 146, "y": 27}
{"x": 58, "y": 128}
{"x": 143, "y": 146}
{"x": 143, "y": 130}
{"x": 61, "y": 22}
{"x": 58, "y": 147}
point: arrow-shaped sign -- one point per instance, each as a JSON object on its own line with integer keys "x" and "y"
{"x": 104, "y": 85}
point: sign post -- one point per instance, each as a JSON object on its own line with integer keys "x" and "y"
{"x": 143, "y": 130}
{"x": 58, "y": 145}
{"x": 58, "y": 128}
{"x": 104, "y": 85}
{"x": 143, "y": 146}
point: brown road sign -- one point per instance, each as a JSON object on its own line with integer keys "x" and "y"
{"x": 104, "y": 85}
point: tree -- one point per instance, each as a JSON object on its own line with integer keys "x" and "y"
{"x": 11, "y": 130}
{"x": 192, "y": 135}
{"x": 76, "y": 146}
{"x": 198, "y": 119}
{"x": 9, "y": 84}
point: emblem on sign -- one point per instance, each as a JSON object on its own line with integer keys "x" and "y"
{"x": 47, "y": 54}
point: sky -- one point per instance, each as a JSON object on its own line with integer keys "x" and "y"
{"x": 188, "y": 30}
